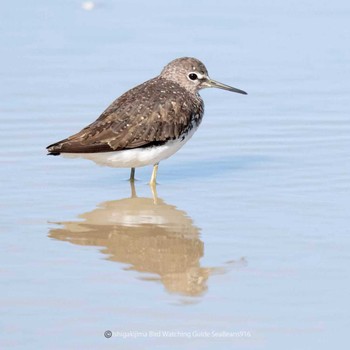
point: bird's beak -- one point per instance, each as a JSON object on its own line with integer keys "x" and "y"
{"x": 215, "y": 84}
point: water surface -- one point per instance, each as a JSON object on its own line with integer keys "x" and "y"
{"x": 249, "y": 230}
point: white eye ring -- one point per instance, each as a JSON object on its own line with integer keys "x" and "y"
{"x": 193, "y": 76}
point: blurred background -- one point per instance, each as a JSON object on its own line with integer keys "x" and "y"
{"x": 249, "y": 231}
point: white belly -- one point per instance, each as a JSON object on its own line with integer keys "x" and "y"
{"x": 137, "y": 157}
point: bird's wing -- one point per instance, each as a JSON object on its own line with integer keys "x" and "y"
{"x": 151, "y": 113}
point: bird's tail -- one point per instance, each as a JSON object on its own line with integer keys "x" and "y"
{"x": 55, "y": 149}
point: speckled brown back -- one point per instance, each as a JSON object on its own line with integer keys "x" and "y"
{"x": 152, "y": 113}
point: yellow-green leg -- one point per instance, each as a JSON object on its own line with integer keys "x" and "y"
{"x": 154, "y": 193}
{"x": 153, "y": 181}
{"x": 132, "y": 175}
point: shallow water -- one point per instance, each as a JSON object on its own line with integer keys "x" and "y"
{"x": 248, "y": 232}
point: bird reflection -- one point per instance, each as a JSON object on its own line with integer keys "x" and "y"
{"x": 148, "y": 235}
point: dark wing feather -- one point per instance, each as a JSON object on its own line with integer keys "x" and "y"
{"x": 152, "y": 113}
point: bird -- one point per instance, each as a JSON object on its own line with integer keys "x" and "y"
{"x": 148, "y": 123}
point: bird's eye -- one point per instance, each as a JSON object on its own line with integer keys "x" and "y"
{"x": 193, "y": 76}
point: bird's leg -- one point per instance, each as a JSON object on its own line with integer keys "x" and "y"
{"x": 154, "y": 175}
{"x": 154, "y": 193}
{"x": 133, "y": 189}
{"x": 132, "y": 175}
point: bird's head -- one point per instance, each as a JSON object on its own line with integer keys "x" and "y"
{"x": 192, "y": 74}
